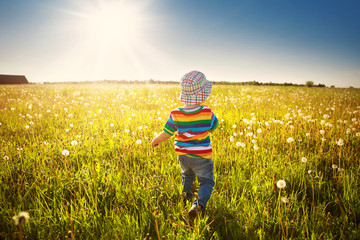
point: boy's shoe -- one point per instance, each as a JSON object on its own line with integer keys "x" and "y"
{"x": 195, "y": 210}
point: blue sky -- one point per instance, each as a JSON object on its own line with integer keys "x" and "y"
{"x": 267, "y": 41}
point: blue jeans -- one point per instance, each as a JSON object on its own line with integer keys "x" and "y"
{"x": 204, "y": 170}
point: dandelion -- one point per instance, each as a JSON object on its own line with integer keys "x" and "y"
{"x": 285, "y": 200}
{"x": 290, "y": 139}
{"x": 259, "y": 130}
{"x": 65, "y": 152}
{"x": 140, "y": 127}
{"x": 155, "y": 134}
{"x": 6, "y": 158}
{"x": 232, "y": 138}
{"x": 348, "y": 131}
{"x": 74, "y": 142}
{"x": 281, "y": 184}
{"x": 71, "y": 125}
{"x": 234, "y": 134}
{"x": 138, "y": 141}
{"x": 21, "y": 218}
{"x": 114, "y": 134}
{"x": 358, "y": 134}
{"x": 340, "y": 142}
{"x": 256, "y": 147}
{"x": 127, "y": 130}
{"x": 234, "y": 126}
{"x": 27, "y": 126}
{"x": 322, "y": 132}
{"x": 341, "y": 170}
{"x": 253, "y": 141}
{"x": 310, "y": 171}
{"x": 307, "y": 134}
{"x": 112, "y": 125}
{"x": 304, "y": 159}
{"x": 334, "y": 166}
{"x": 46, "y": 143}
{"x": 67, "y": 130}
{"x": 91, "y": 123}
{"x": 249, "y": 134}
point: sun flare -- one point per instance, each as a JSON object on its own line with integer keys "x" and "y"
{"x": 113, "y": 22}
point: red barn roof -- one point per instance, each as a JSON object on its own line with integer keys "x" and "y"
{"x": 13, "y": 79}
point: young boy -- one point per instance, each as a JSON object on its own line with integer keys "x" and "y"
{"x": 193, "y": 122}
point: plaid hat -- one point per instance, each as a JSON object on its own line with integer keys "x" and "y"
{"x": 194, "y": 88}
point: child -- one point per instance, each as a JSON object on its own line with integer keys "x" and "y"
{"x": 193, "y": 122}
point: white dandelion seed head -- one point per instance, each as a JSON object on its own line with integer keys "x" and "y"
{"x": 127, "y": 130}
{"x": 357, "y": 134}
{"x": 259, "y": 130}
{"x": 290, "y": 140}
{"x": 71, "y": 125}
{"x": 138, "y": 141}
{"x": 140, "y": 127}
{"x": 322, "y": 132}
{"x": 255, "y": 147}
{"x": 281, "y": 184}
{"x": 238, "y": 144}
{"x": 74, "y": 142}
{"x": 232, "y": 138}
{"x": 27, "y": 126}
{"x": 6, "y": 158}
{"x": 65, "y": 152}
{"x": 234, "y": 126}
{"x": 304, "y": 159}
{"x": 334, "y": 166}
{"x": 67, "y": 130}
{"x": 285, "y": 200}
{"x": 249, "y": 134}
{"x": 310, "y": 171}
{"x": 21, "y": 218}
{"x": 234, "y": 134}
{"x": 112, "y": 125}
{"x": 340, "y": 142}
{"x": 341, "y": 170}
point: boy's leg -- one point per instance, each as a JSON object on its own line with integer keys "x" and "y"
{"x": 204, "y": 169}
{"x": 188, "y": 176}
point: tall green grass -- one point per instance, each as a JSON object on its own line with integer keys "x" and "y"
{"x": 114, "y": 185}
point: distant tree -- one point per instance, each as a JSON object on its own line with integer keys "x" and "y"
{"x": 309, "y": 84}
{"x": 332, "y": 86}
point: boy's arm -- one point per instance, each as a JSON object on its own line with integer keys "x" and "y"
{"x": 163, "y": 136}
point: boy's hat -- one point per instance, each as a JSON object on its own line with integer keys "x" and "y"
{"x": 194, "y": 88}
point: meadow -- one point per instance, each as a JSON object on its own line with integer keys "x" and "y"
{"x": 78, "y": 160}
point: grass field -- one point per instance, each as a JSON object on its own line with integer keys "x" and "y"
{"x": 78, "y": 159}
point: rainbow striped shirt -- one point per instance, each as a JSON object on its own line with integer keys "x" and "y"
{"x": 193, "y": 126}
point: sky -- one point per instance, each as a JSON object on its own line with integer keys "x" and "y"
{"x": 234, "y": 40}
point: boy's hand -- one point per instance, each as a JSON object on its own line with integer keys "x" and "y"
{"x": 163, "y": 136}
{"x": 155, "y": 142}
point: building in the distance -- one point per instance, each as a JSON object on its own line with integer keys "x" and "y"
{"x": 13, "y": 79}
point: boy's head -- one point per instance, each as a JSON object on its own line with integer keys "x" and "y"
{"x": 194, "y": 88}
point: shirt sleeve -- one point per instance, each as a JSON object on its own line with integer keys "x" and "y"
{"x": 169, "y": 127}
{"x": 214, "y": 122}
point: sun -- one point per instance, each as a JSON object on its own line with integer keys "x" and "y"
{"x": 112, "y": 22}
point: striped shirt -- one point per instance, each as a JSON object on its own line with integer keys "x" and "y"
{"x": 192, "y": 126}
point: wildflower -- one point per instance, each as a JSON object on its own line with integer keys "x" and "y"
{"x": 322, "y": 122}
{"x": 234, "y": 126}
{"x": 6, "y": 158}
{"x": 253, "y": 141}
{"x": 304, "y": 159}
{"x": 310, "y": 171}
{"x": 358, "y": 134}
{"x": 235, "y": 134}
{"x": 307, "y": 134}
{"x": 138, "y": 141}
{"x": 348, "y": 131}
{"x": 259, "y": 130}
{"x": 67, "y": 130}
{"x": 46, "y": 143}
{"x": 70, "y": 115}
{"x": 127, "y": 130}
{"x": 74, "y": 142}
{"x": 65, "y": 152}
{"x": 285, "y": 200}
{"x": 112, "y": 125}
{"x": 155, "y": 134}
{"x": 322, "y": 132}
{"x": 71, "y": 125}
{"x": 114, "y": 134}
{"x": 256, "y": 147}
{"x": 140, "y": 127}
{"x": 334, "y": 166}
{"x": 249, "y": 134}
{"x": 91, "y": 123}
{"x": 21, "y": 218}
{"x": 290, "y": 139}
{"x": 231, "y": 138}
{"x": 27, "y": 126}
{"x": 340, "y": 142}
{"x": 281, "y": 184}
{"x": 341, "y": 170}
